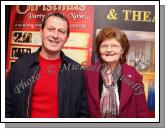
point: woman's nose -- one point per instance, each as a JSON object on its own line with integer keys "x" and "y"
{"x": 109, "y": 48}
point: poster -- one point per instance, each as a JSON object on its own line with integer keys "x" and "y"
{"x": 25, "y": 23}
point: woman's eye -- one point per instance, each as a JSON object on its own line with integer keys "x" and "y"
{"x": 104, "y": 46}
{"x": 115, "y": 46}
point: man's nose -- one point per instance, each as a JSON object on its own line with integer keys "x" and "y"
{"x": 55, "y": 34}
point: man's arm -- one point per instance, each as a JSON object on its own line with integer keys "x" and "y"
{"x": 8, "y": 94}
{"x": 83, "y": 103}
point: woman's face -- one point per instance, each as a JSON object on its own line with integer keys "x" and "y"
{"x": 110, "y": 51}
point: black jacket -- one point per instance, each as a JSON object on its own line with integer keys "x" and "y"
{"x": 20, "y": 81}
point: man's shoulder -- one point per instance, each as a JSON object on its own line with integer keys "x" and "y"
{"x": 68, "y": 60}
{"x": 71, "y": 65}
{"x": 25, "y": 60}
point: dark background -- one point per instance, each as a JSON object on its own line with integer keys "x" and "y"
{"x": 7, "y": 23}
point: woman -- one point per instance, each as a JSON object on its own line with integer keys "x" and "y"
{"x": 114, "y": 89}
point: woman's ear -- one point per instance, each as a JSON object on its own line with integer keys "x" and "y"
{"x": 122, "y": 51}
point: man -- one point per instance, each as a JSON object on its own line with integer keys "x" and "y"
{"x": 43, "y": 84}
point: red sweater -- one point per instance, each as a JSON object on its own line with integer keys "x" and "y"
{"x": 45, "y": 91}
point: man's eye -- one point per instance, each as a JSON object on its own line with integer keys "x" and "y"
{"x": 50, "y": 29}
{"x": 114, "y": 46}
{"x": 62, "y": 31}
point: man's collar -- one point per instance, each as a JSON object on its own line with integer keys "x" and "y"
{"x": 36, "y": 57}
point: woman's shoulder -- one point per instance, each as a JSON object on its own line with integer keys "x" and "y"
{"x": 130, "y": 70}
{"x": 92, "y": 70}
{"x": 128, "y": 67}
{"x": 93, "y": 67}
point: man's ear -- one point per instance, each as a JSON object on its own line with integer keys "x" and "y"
{"x": 41, "y": 32}
{"x": 66, "y": 39}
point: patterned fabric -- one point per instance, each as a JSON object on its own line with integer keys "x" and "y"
{"x": 108, "y": 101}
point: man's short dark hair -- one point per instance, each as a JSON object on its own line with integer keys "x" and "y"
{"x": 59, "y": 15}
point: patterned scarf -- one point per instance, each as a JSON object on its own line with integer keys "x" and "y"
{"x": 108, "y": 103}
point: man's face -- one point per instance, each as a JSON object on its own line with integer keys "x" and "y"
{"x": 54, "y": 34}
